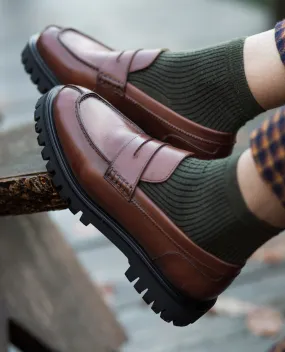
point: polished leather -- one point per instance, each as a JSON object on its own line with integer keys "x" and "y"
{"x": 75, "y": 58}
{"x": 109, "y": 167}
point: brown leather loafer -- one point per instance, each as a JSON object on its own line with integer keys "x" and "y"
{"x": 66, "y": 56}
{"x": 97, "y": 157}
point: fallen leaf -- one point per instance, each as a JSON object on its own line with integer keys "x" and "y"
{"x": 273, "y": 252}
{"x": 269, "y": 255}
{"x": 232, "y": 307}
{"x": 265, "y": 322}
{"x": 279, "y": 347}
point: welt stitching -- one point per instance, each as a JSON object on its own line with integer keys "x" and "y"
{"x": 171, "y": 239}
{"x": 119, "y": 92}
{"x": 172, "y": 126}
{"x": 192, "y": 144}
{"x": 106, "y": 84}
{"x": 109, "y": 78}
{"x": 189, "y": 261}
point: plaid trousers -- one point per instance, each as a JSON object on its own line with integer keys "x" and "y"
{"x": 268, "y": 149}
{"x": 280, "y": 347}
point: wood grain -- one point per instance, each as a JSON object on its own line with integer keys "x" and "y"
{"x": 47, "y": 292}
{"x": 25, "y": 186}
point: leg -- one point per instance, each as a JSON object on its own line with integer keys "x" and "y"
{"x": 264, "y": 70}
{"x": 221, "y": 87}
{"x": 184, "y": 223}
{"x": 232, "y": 206}
{"x": 258, "y": 197}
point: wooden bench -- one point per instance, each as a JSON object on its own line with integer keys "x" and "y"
{"x": 48, "y": 301}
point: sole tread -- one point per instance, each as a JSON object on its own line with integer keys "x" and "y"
{"x": 36, "y": 70}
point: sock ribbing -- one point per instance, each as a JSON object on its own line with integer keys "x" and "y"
{"x": 207, "y": 86}
{"x": 203, "y": 199}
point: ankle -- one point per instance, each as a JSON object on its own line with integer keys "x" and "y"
{"x": 257, "y": 195}
{"x": 264, "y": 70}
{"x": 207, "y": 86}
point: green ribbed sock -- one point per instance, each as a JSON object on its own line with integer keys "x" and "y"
{"x": 202, "y": 197}
{"x": 207, "y": 86}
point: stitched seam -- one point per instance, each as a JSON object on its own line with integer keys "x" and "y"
{"x": 119, "y": 182}
{"x": 142, "y": 168}
{"x": 171, "y": 171}
{"x": 135, "y": 52}
{"x": 148, "y": 161}
{"x": 124, "y": 147}
{"x": 83, "y": 129}
{"x": 119, "y": 91}
{"x": 79, "y": 100}
{"x": 107, "y": 84}
{"x": 193, "y": 146}
{"x": 104, "y": 101}
{"x": 172, "y": 126}
{"x": 113, "y": 80}
{"x": 173, "y": 241}
{"x": 189, "y": 261}
{"x": 72, "y": 53}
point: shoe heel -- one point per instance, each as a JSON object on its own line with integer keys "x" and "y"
{"x": 36, "y": 68}
{"x": 171, "y": 306}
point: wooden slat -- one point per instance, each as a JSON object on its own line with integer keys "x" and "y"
{"x": 48, "y": 293}
{"x": 49, "y": 297}
{"x": 25, "y": 186}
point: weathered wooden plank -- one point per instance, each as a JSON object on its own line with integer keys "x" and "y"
{"x": 48, "y": 293}
{"x": 25, "y": 186}
{"x": 29, "y": 194}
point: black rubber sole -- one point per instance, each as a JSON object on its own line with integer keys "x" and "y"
{"x": 157, "y": 291}
{"x": 38, "y": 70}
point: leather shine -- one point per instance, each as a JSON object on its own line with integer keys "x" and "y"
{"x": 109, "y": 167}
{"x": 75, "y": 58}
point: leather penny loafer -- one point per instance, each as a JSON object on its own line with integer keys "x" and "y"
{"x": 66, "y": 56}
{"x": 97, "y": 157}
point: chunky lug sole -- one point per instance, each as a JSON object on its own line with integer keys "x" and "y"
{"x": 157, "y": 291}
{"x": 35, "y": 66}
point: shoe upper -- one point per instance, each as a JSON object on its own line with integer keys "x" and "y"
{"x": 109, "y": 155}
{"x": 75, "y": 58}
